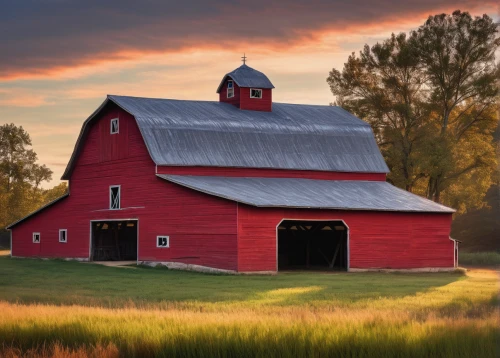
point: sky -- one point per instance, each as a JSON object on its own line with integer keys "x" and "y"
{"x": 60, "y": 58}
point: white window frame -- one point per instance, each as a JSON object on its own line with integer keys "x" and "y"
{"x": 256, "y": 89}
{"x": 117, "y": 121}
{"x": 65, "y": 235}
{"x": 39, "y": 237}
{"x": 230, "y": 90}
{"x": 111, "y": 197}
{"x": 161, "y": 246}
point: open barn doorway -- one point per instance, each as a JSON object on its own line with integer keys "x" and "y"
{"x": 316, "y": 245}
{"x": 114, "y": 240}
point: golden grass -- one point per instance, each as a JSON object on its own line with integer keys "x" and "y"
{"x": 459, "y": 319}
{"x": 58, "y": 351}
{"x": 179, "y": 332}
{"x": 4, "y": 252}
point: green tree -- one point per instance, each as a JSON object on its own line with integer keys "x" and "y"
{"x": 458, "y": 54}
{"x": 384, "y": 87}
{"x": 54, "y": 193}
{"x": 430, "y": 98}
{"x": 20, "y": 175}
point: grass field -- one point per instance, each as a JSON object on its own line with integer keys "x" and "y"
{"x": 58, "y": 308}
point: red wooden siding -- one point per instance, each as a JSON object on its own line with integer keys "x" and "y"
{"x": 235, "y": 101}
{"x": 269, "y": 173}
{"x": 376, "y": 239}
{"x": 256, "y": 104}
{"x": 242, "y": 98}
{"x": 202, "y": 228}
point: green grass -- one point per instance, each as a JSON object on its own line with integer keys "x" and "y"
{"x": 58, "y": 308}
{"x": 479, "y": 258}
{"x": 38, "y": 281}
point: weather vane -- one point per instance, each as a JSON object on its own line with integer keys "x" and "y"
{"x": 244, "y": 59}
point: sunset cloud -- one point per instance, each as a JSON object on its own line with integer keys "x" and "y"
{"x": 43, "y": 38}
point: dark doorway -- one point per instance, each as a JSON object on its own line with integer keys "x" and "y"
{"x": 320, "y": 245}
{"x": 114, "y": 240}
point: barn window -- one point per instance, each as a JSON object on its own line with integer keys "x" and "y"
{"x": 63, "y": 235}
{"x": 36, "y": 237}
{"x": 114, "y": 197}
{"x": 114, "y": 128}
{"x": 162, "y": 241}
{"x": 230, "y": 89}
{"x": 255, "y": 93}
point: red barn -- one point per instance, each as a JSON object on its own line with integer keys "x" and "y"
{"x": 241, "y": 185}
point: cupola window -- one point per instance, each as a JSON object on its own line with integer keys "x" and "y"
{"x": 230, "y": 89}
{"x": 255, "y": 93}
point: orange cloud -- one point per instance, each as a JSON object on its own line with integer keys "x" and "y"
{"x": 66, "y": 44}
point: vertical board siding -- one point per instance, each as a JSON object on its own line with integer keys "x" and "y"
{"x": 202, "y": 228}
{"x": 113, "y": 146}
{"x": 269, "y": 173}
{"x": 376, "y": 239}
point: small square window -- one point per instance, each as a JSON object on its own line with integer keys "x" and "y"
{"x": 63, "y": 235}
{"x": 36, "y": 237}
{"x": 255, "y": 93}
{"x": 162, "y": 241}
{"x": 115, "y": 126}
{"x": 114, "y": 197}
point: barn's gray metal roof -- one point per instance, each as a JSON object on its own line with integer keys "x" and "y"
{"x": 246, "y": 76}
{"x": 292, "y": 136}
{"x": 308, "y": 193}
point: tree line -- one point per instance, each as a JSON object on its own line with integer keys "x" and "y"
{"x": 432, "y": 99}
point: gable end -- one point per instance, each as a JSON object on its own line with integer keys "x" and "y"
{"x": 82, "y": 137}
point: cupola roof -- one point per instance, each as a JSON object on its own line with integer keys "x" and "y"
{"x": 246, "y": 76}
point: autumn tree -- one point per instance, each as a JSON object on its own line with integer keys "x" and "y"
{"x": 430, "y": 98}
{"x": 384, "y": 87}
{"x": 458, "y": 54}
{"x": 21, "y": 176}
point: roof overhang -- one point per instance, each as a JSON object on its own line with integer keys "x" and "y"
{"x": 239, "y": 83}
{"x": 310, "y": 194}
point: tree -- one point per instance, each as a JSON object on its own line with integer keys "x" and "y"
{"x": 20, "y": 175}
{"x": 383, "y": 86}
{"x": 458, "y": 54}
{"x": 55, "y": 192}
{"x": 430, "y": 98}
